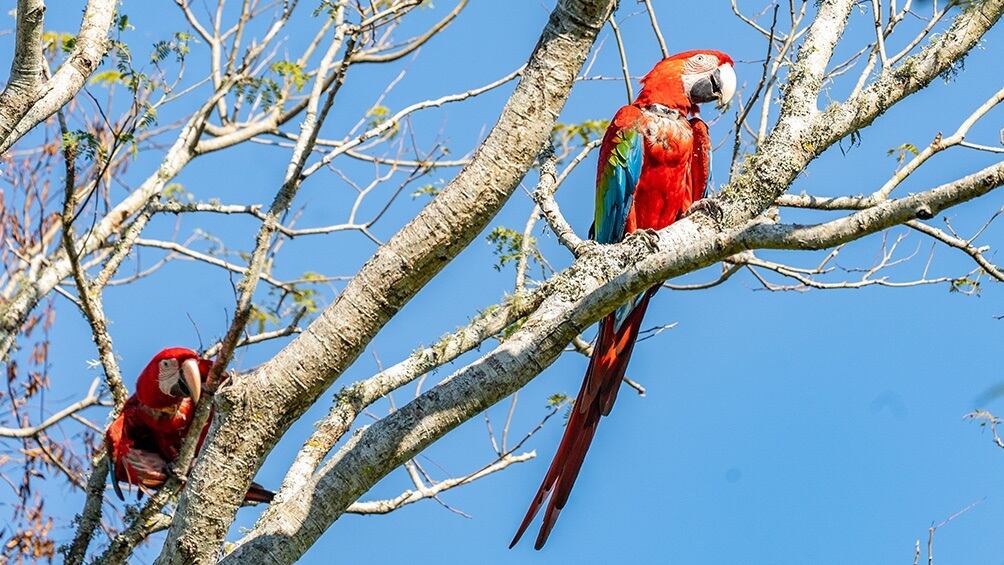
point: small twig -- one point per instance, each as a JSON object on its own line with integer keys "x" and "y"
{"x": 965, "y": 246}
{"x": 940, "y": 143}
{"x": 544, "y": 197}
{"x": 431, "y": 491}
{"x": 742, "y": 115}
{"x": 293, "y": 327}
{"x": 180, "y": 249}
{"x": 91, "y": 399}
{"x": 623, "y": 56}
{"x": 74, "y": 478}
{"x": 585, "y": 348}
{"x": 986, "y": 418}
{"x": 655, "y": 28}
{"x": 934, "y": 527}
{"x": 879, "y": 34}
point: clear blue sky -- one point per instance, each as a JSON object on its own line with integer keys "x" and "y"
{"x": 779, "y": 428}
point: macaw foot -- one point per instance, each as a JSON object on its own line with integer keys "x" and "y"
{"x": 176, "y": 472}
{"x": 650, "y": 237}
{"x": 212, "y": 387}
{"x": 709, "y": 206}
{"x": 586, "y": 247}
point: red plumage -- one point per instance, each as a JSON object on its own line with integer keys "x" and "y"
{"x": 673, "y": 175}
{"x": 146, "y": 437}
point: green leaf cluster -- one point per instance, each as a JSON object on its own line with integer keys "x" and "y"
{"x": 509, "y": 246}
{"x": 291, "y": 72}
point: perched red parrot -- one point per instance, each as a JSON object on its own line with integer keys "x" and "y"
{"x": 654, "y": 164}
{"x": 147, "y": 436}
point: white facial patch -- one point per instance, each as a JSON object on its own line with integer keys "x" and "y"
{"x": 689, "y": 80}
{"x": 168, "y": 375}
{"x": 700, "y": 63}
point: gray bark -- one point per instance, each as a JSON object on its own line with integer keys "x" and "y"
{"x": 601, "y": 279}
{"x": 256, "y": 409}
{"x": 595, "y": 285}
{"x": 58, "y": 267}
{"x": 25, "y": 108}
{"x": 26, "y": 67}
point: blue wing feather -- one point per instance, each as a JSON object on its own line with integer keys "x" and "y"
{"x": 615, "y": 187}
{"x": 616, "y": 184}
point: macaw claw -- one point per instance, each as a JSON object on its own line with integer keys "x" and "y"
{"x": 655, "y": 159}
{"x": 146, "y": 438}
{"x": 586, "y": 247}
{"x": 709, "y": 207}
{"x": 174, "y": 472}
{"x": 226, "y": 377}
{"x": 651, "y": 238}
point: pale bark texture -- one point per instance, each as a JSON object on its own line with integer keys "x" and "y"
{"x": 26, "y": 71}
{"x": 599, "y": 281}
{"x": 533, "y": 326}
{"x": 259, "y": 406}
{"x": 28, "y": 100}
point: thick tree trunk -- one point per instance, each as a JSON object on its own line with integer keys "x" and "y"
{"x": 257, "y": 408}
{"x": 604, "y": 278}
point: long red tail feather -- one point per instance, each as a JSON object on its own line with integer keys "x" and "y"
{"x": 596, "y": 398}
{"x": 258, "y": 493}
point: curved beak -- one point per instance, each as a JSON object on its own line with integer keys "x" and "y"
{"x": 718, "y": 86}
{"x": 191, "y": 379}
{"x": 726, "y": 76}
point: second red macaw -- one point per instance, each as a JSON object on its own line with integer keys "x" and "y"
{"x": 654, "y": 164}
{"x": 147, "y": 436}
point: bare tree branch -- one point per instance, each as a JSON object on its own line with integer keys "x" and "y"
{"x": 91, "y": 399}
{"x": 600, "y": 280}
{"x": 655, "y": 28}
{"x": 27, "y": 67}
{"x": 91, "y": 44}
{"x": 390, "y": 279}
{"x": 423, "y": 491}
{"x": 590, "y": 289}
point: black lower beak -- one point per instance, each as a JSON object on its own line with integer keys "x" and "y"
{"x": 183, "y": 388}
{"x": 707, "y": 88}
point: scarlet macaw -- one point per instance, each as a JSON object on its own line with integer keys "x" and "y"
{"x": 654, "y": 164}
{"x": 147, "y": 436}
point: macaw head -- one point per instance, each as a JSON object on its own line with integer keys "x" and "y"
{"x": 171, "y": 376}
{"x": 685, "y": 80}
